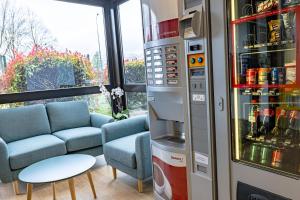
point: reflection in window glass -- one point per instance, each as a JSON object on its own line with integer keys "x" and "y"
{"x": 42, "y": 50}
{"x": 136, "y": 103}
{"x": 97, "y": 103}
{"x": 132, "y": 38}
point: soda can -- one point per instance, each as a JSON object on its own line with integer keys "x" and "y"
{"x": 251, "y": 77}
{"x": 275, "y": 75}
{"x": 265, "y": 155}
{"x": 281, "y": 75}
{"x": 263, "y": 76}
{"x": 254, "y": 152}
{"x": 277, "y": 158}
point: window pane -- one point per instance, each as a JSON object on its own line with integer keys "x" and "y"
{"x": 50, "y": 45}
{"x": 132, "y": 38}
{"x": 136, "y": 103}
{"x": 97, "y": 103}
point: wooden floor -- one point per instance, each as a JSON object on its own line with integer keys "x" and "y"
{"x": 124, "y": 188}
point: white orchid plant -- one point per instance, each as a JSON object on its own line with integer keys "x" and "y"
{"x": 115, "y": 97}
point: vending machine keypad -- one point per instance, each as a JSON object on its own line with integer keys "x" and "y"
{"x": 162, "y": 66}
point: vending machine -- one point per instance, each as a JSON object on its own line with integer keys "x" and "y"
{"x": 166, "y": 94}
{"x": 194, "y": 29}
{"x": 256, "y": 57}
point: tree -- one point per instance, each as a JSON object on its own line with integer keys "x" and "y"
{"x": 38, "y": 34}
{"x": 20, "y": 30}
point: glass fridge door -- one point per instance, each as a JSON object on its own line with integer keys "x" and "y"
{"x": 265, "y": 84}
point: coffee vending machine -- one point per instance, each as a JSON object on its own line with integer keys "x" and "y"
{"x": 194, "y": 29}
{"x": 166, "y": 94}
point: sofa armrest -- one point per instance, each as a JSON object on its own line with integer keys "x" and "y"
{"x": 98, "y": 120}
{"x": 5, "y": 172}
{"x": 143, "y": 155}
{"x": 126, "y": 127}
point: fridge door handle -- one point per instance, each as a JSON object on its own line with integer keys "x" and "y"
{"x": 220, "y": 104}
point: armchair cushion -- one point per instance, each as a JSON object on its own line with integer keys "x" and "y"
{"x": 98, "y": 120}
{"x": 122, "y": 150}
{"x": 5, "y": 172}
{"x": 25, "y": 152}
{"x": 80, "y": 138}
{"x": 23, "y": 122}
{"x": 119, "y": 129}
{"x": 66, "y": 115}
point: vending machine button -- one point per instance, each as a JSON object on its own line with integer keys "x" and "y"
{"x": 193, "y": 60}
{"x": 200, "y": 60}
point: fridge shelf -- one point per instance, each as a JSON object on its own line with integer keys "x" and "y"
{"x": 268, "y": 142}
{"x": 245, "y": 86}
{"x": 280, "y": 44}
{"x": 264, "y": 15}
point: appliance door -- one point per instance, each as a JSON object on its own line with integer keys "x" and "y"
{"x": 257, "y": 103}
{"x": 169, "y": 173}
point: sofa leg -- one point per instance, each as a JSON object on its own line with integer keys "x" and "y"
{"x": 114, "y": 173}
{"x": 140, "y": 185}
{"x": 16, "y": 187}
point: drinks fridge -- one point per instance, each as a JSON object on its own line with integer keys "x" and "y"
{"x": 258, "y": 101}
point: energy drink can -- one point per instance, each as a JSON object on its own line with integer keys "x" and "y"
{"x": 251, "y": 77}
{"x": 265, "y": 155}
{"x": 254, "y": 152}
{"x": 275, "y": 76}
{"x": 263, "y": 76}
{"x": 277, "y": 158}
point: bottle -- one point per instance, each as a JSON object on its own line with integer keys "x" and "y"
{"x": 292, "y": 133}
{"x": 268, "y": 122}
{"x": 253, "y": 119}
{"x": 280, "y": 127}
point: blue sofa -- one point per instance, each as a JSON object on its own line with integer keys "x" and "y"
{"x": 126, "y": 147}
{"x": 33, "y": 133}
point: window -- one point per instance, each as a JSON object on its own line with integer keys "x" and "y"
{"x": 133, "y": 55}
{"x": 50, "y": 45}
{"x": 132, "y": 38}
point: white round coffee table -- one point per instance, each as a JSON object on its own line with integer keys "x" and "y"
{"x": 58, "y": 169}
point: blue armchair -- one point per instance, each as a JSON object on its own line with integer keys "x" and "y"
{"x": 126, "y": 147}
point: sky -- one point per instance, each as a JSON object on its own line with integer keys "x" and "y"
{"x": 74, "y": 25}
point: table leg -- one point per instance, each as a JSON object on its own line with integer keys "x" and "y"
{"x": 53, "y": 190}
{"x": 29, "y": 191}
{"x": 72, "y": 188}
{"x": 92, "y": 184}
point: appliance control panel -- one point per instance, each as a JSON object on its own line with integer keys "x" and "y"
{"x": 163, "y": 69}
{"x": 196, "y": 62}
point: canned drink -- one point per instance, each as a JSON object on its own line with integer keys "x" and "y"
{"x": 277, "y": 158}
{"x": 263, "y": 76}
{"x": 265, "y": 155}
{"x": 251, "y": 76}
{"x": 281, "y": 75}
{"x": 275, "y": 76}
{"x": 254, "y": 152}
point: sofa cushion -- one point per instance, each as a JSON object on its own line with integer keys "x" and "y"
{"x": 25, "y": 152}
{"x": 122, "y": 150}
{"x": 23, "y": 122}
{"x": 80, "y": 138}
{"x": 66, "y": 115}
